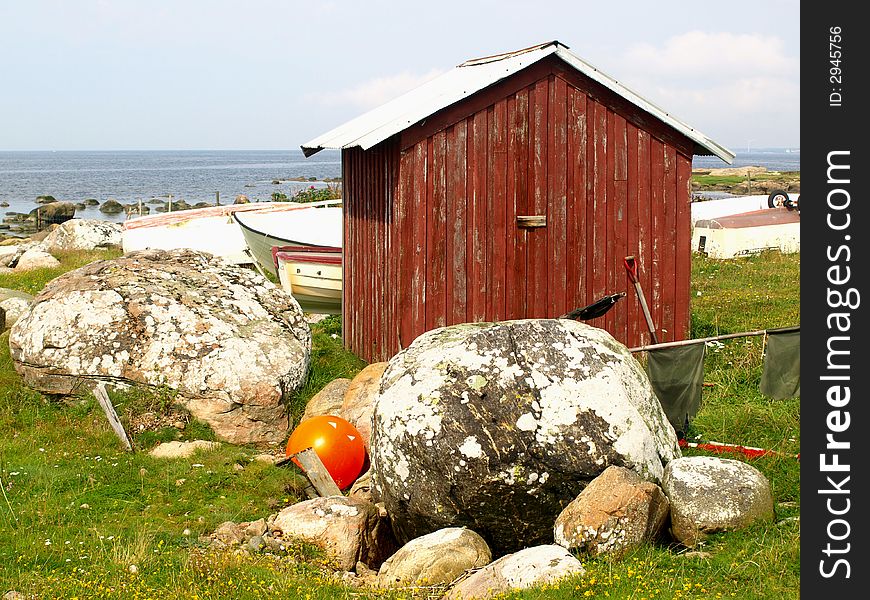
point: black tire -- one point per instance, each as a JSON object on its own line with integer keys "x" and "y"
{"x": 777, "y": 198}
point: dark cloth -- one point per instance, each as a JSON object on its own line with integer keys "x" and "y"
{"x": 781, "y": 376}
{"x": 677, "y": 377}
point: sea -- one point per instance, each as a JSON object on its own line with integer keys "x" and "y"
{"x": 210, "y": 175}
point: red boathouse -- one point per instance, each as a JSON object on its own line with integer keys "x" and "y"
{"x": 513, "y": 187}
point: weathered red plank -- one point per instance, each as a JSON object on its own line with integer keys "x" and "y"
{"x": 521, "y": 205}
{"x": 620, "y": 225}
{"x": 644, "y": 229}
{"x": 598, "y": 217}
{"x": 632, "y": 246}
{"x": 655, "y": 266}
{"x": 610, "y": 220}
{"x": 670, "y": 242}
{"x": 420, "y": 226}
{"x": 438, "y": 232}
{"x": 457, "y": 143}
{"x": 405, "y": 248}
{"x": 498, "y": 193}
{"x": 557, "y": 222}
{"x": 577, "y": 244}
{"x": 683, "y": 247}
{"x": 477, "y": 247}
{"x": 537, "y": 238}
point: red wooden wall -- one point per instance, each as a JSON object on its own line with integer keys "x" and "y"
{"x": 430, "y": 233}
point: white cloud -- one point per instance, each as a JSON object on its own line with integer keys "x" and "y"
{"x": 732, "y": 87}
{"x": 374, "y": 92}
{"x": 717, "y": 53}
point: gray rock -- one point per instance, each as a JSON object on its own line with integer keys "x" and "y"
{"x": 256, "y": 528}
{"x": 478, "y": 424}
{"x": 527, "y": 568}
{"x": 256, "y": 543}
{"x": 228, "y": 533}
{"x": 84, "y": 234}
{"x": 348, "y": 530}
{"x": 233, "y": 345}
{"x": 435, "y": 558}
{"x": 616, "y": 512}
{"x": 709, "y": 494}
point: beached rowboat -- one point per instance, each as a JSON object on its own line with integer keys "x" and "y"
{"x": 210, "y": 229}
{"x": 309, "y": 224}
{"x": 748, "y": 233}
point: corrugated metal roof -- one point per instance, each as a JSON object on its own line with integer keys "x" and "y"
{"x": 470, "y": 77}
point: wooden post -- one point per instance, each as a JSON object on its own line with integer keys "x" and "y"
{"x": 170, "y": 204}
{"x": 217, "y": 198}
{"x": 314, "y": 470}
{"x": 103, "y": 398}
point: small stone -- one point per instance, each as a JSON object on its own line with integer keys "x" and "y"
{"x": 85, "y": 506}
{"x": 133, "y": 569}
{"x": 256, "y": 543}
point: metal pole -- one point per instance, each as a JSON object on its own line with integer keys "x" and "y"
{"x": 631, "y": 267}
{"x": 715, "y": 338}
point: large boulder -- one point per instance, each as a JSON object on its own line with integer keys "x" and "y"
{"x": 111, "y": 207}
{"x": 232, "y": 344}
{"x": 358, "y": 404}
{"x": 328, "y": 400}
{"x": 36, "y": 258}
{"x": 618, "y": 511}
{"x": 539, "y": 565}
{"x": 435, "y": 558}
{"x": 709, "y": 494}
{"x": 348, "y": 530}
{"x": 84, "y": 234}
{"x": 498, "y": 426}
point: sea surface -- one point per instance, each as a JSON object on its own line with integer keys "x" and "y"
{"x": 196, "y": 175}
{"x": 190, "y": 175}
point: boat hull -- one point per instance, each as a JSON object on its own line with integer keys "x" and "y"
{"x": 748, "y": 233}
{"x": 314, "y": 224}
{"x": 312, "y": 275}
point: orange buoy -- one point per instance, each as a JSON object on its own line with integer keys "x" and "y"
{"x": 336, "y": 442}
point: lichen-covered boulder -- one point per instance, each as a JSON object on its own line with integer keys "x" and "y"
{"x": 498, "y": 426}
{"x": 232, "y": 344}
{"x": 435, "y": 558}
{"x": 84, "y": 234}
{"x": 616, "y": 512}
{"x": 709, "y": 494}
{"x": 539, "y": 565}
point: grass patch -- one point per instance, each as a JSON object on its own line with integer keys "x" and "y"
{"x": 78, "y": 511}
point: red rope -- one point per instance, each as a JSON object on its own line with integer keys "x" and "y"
{"x": 721, "y": 447}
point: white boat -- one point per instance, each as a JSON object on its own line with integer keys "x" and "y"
{"x": 312, "y": 275}
{"x": 308, "y": 224}
{"x": 748, "y": 233}
{"x": 712, "y": 209}
{"x": 210, "y": 229}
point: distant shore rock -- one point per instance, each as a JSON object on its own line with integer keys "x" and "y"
{"x": 111, "y": 207}
{"x": 55, "y": 212}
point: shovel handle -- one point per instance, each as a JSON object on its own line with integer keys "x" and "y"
{"x": 631, "y": 267}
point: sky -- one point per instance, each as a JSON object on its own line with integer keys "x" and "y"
{"x": 271, "y": 75}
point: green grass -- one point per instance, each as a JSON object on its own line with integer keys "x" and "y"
{"x": 77, "y": 511}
